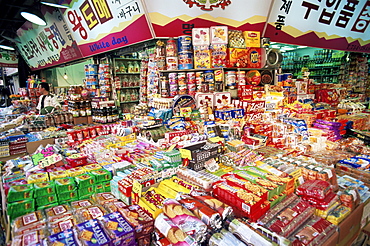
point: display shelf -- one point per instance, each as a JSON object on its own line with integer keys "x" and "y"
{"x": 130, "y": 87}
{"x": 127, "y": 59}
{"x": 127, "y": 73}
{"x": 212, "y": 69}
{"x": 130, "y": 101}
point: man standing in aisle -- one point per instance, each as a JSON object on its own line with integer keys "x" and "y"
{"x": 47, "y": 102}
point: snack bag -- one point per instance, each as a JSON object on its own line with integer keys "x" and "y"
{"x": 44, "y": 188}
{"x": 118, "y": 229}
{"x": 64, "y": 185}
{"x": 65, "y": 238}
{"x": 85, "y": 180}
{"x": 222, "y": 208}
{"x": 101, "y": 175}
{"x": 90, "y": 212}
{"x": 314, "y": 188}
{"x": 139, "y": 219}
{"x": 57, "y": 213}
{"x": 105, "y": 197}
{"x": 81, "y": 204}
{"x": 20, "y": 192}
{"x": 91, "y": 233}
{"x": 62, "y": 225}
{"x": 33, "y": 238}
{"x": 28, "y": 222}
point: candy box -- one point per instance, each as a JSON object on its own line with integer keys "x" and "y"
{"x": 85, "y": 180}
{"x": 45, "y": 200}
{"x": 218, "y": 55}
{"x": 139, "y": 219}
{"x": 200, "y": 36}
{"x": 19, "y": 208}
{"x": 92, "y": 167}
{"x": 91, "y": 233}
{"x": 118, "y": 229}
{"x": 219, "y": 34}
{"x": 237, "y": 57}
{"x": 37, "y": 177}
{"x": 44, "y": 188}
{"x": 202, "y": 57}
{"x": 58, "y": 175}
{"x": 65, "y": 185}
{"x": 20, "y": 192}
{"x": 65, "y": 238}
{"x": 73, "y": 172}
{"x": 101, "y": 175}
{"x": 75, "y": 161}
{"x": 67, "y": 196}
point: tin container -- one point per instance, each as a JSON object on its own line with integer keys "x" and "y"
{"x": 209, "y": 78}
{"x": 184, "y": 44}
{"x": 185, "y": 60}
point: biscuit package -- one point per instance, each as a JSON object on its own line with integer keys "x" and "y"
{"x": 138, "y": 218}
{"x": 58, "y": 213}
{"x": 185, "y": 219}
{"x": 81, "y": 204}
{"x": 63, "y": 238}
{"x": 223, "y": 209}
{"x": 91, "y": 233}
{"x": 104, "y": 197}
{"x": 33, "y": 238}
{"x": 44, "y": 188}
{"x": 28, "y": 222}
{"x": 90, "y": 212}
{"x": 172, "y": 232}
{"x": 118, "y": 229}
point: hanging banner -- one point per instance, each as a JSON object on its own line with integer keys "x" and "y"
{"x": 177, "y": 17}
{"x": 8, "y": 59}
{"x": 50, "y": 45}
{"x": 103, "y": 25}
{"x": 330, "y": 24}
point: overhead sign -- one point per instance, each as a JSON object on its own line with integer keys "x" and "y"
{"x": 103, "y": 25}
{"x": 177, "y": 17}
{"x": 331, "y": 24}
{"x": 8, "y": 59}
{"x": 50, "y": 45}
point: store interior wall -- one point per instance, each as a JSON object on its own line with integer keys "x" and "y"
{"x": 75, "y": 73}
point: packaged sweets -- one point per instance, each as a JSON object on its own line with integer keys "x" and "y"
{"x": 178, "y": 214}
{"x": 45, "y": 200}
{"x": 59, "y": 212}
{"x": 64, "y": 224}
{"x": 222, "y": 208}
{"x": 81, "y": 204}
{"x": 28, "y": 222}
{"x": 65, "y": 184}
{"x": 338, "y": 214}
{"x": 91, "y": 233}
{"x": 20, "y": 192}
{"x": 90, "y": 212}
{"x": 58, "y": 175}
{"x": 19, "y": 208}
{"x": 85, "y": 192}
{"x": 92, "y": 167}
{"x": 44, "y": 188}
{"x": 224, "y": 237}
{"x": 209, "y": 216}
{"x": 33, "y": 238}
{"x": 66, "y": 238}
{"x": 101, "y": 175}
{"x": 219, "y": 34}
{"x": 139, "y": 219}
{"x": 75, "y": 171}
{"x": 172, "y": 232}
{"x": 314, "y": 188}
{"x": 118, "y": 229}
{"x": 105, "y": 197}
{"x": 85, "y": 180}
{"x": 37, "y": 177}
{"x": 68, "y": 196}
{"x": 323, "y": 204}
{"x": 350, "y": 197}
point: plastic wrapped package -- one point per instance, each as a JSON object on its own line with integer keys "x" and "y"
{"x": 81, "y": 204}
{"x": 105, "y": 197}
{"x": 57, "y": 213}
{"x": 314, "y": 233}
{"x": 338, "y": 214}
{"x": 323, "y": 204}
{"x": 66, "y": 237}
{"x": 63, "y": 224}
{"x": 28, "y": 222}
{"x": 224, "y": 237}
{"x": 350, "y": 197}
{"x": 314, "y": 188}
{"x": 89, "y": 213}
{"x": 33, "y": 238}
{"x": 91, "y": 233}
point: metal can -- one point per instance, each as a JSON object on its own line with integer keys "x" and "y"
{"x": 210, "y": 80}
{"x": 184, "y": 43}
{"x": 199, "y": 80}
{"x": 183, "y": 88}
{"x": 230, "y": 78}
{"x": 241, "y": 78}
{"x": 185, "y": 60}
{"x": 172, "y": 63}
{"x": 190, "y": 78}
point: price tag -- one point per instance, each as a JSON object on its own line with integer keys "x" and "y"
{"x": 185, "y": 154}
{"x": 211, "y": 165}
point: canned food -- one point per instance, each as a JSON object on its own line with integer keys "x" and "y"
{"x": 171, "y": 63}
{"x": 185, "y": 60}
{"x": 210, "y": 80}
{"x": 190, "y": 78}
{"x": 184, "y": 44}
{"x": 230, "y": 78}
{"x": 241, "y": 78}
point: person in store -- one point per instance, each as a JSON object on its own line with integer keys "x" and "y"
{"x": 47, "y": 101}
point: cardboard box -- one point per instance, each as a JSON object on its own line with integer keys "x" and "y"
{"x": 350, "y": 227}
{"x": 80, "y": 120}
{"x": 32, "y": 146}
{"x": 332, "y": 241}
{"x": 237, "y": 57}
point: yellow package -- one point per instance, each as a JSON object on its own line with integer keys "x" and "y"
{"x": 73, "y": 172}
{"x": 252, "y": 38}
{"x": 37, "y": 178}
{"x": 338, "y": 214}
{"x": 92, "y": 167}
{"x": 149, "y": 207}
{"x": 324, "y": 213}
{"x": 58, "y": 175}
{"x": 166, "y": 191}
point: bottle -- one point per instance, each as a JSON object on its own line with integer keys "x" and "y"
{"x": 136, "y": 67}
{"x": 130, "y": 67}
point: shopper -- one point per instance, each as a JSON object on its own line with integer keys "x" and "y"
{"x": 47, "y": 102}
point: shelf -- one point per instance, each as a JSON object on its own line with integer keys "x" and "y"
{"x": 212, "y": 69}
{"x": 130, "y": 101}
{"x": 130, "y": 87}
{"x": 324, "y": 75}
{"x": 316, "y": 68}
{"x": 127, "y": 73}
{"x": 126, "y": 59}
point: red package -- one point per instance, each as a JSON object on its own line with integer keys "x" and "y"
{"x": 318, "y": 189}
{"x": 322, "y": 204}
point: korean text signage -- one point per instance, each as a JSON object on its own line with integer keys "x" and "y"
{"x": 173, "y": 18}
{"x": 45, "y": 46}
{"x": 8, "y": 59}
{"x": 333, "y": 24}
{"x": 104, "y": 25}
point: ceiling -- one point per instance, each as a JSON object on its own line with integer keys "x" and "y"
{"x": 10, "y": 18}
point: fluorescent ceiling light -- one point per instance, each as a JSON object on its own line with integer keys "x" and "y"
{"x": 275, "y": 46}
{"x": 35, "y": 16}
{"x": 6, "y": 47}
{"x": 50, "y": 3}
{"x": 289, "y": 48}
{"x": 301, "y": 47}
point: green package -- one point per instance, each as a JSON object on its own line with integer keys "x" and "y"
{"x": 44, "y": 188}
{"x": 20, "y": 192}
{"x": 85, "y": 191}
{"x": 67, "y": 196}
{"x": 99, "y": 188}
{"x": 48, "y": 206}
{"x": 66, "y": 184}
{"x": 19, "y": 208}
{"x": 101, "y": 175}
{"x": 107, "y": 187}
{"x": 45, "y": 200}
{"x": 85, "y": 180}
{"x": 88, "y": 197}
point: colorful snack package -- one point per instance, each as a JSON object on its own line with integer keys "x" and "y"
{"x": 222, "y": 208}
{"x": 65, "y": 238}
{"x": 33, "y": 238}
{"x": 85, "y": 180}
{"x": 172, "y": 232}
{"x": 20, "y": 192}
{"x": 206, "y": 214}
{"x": 178, "y": 214}
{"x": 105, "y": 197}
{"x": 62, "y": 225}
{"x": 44, "y": 188}
{"x": 101, "y": 175}
{"x": 64, "y": 185}
{"x": 57, "y": 213}
{"x": 118, "y": 229}
{"x": 139, "y": 219}
{"x": 90, "y": 212}
{"x": 28, "y": 222}
{"x": 224, "y": 237}
{"x": 91, "y": 233}
{"x": 314, "y": 188}
{"x": 81, "y": 204}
